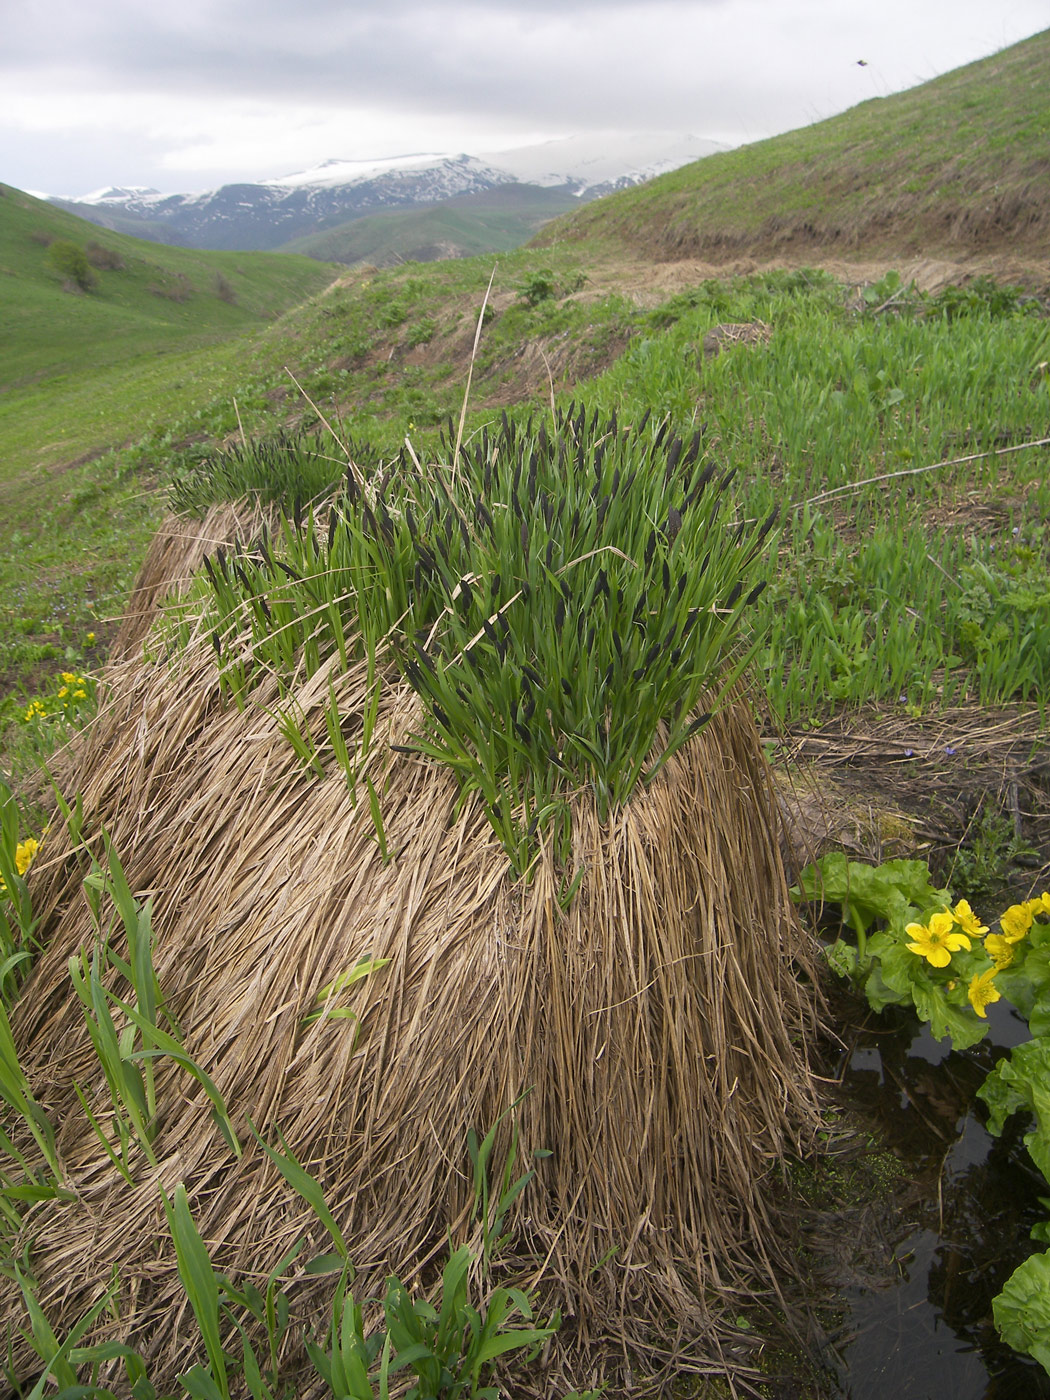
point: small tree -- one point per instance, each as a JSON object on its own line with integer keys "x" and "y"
{"x": 71, "y": 262}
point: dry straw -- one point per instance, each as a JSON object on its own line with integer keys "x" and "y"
{"x": 660, "y": 1025}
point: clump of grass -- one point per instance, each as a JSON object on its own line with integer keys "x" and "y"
{"x": 563, "y": 601}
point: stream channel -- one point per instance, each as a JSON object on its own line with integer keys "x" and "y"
{"x": 915, "y": 1278}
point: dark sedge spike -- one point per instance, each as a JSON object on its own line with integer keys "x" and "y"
{"x": 220, "y": 559}
{"x": 532, "y": 675}
{"x": 263, "y": 604}
{"x": 524, "y": 537}
{"x": 217, "y": 644}
{"x": 566, "y": 590}
{"x": 526, "y": 594}
{"x": 554, "y": 757}
{"x": 770, "y": 521}
{"x": 297, "y": 512}
{"x": 693, "y": 450}
{"x": 703, "y": 567}
{"x": 548, "y": 554}
{"x": 466, "y": 597}
{"x": 547, "y": 511}
{"x": 566, "y": 687}
{"x": 617, "y": 644}
{"x": 296, "y": 578}
{"x": 464, "y": 533}
{"x": 522, "y": 733}
{"x": 639, "y": 608}
{"x": 439, "y": 715}
{"x": 615, "y": 484}
{"x": 643, "y": 422}
{"x": 650, "y": 656}
{"x": 412, "y": 671}
{"x": 682, "y": 581}
{"x": 723, "y": 485}
{"x": 490, "y": 631}
{"x": 609, "y": 671}
{"x": 590, "y": 638}
{"x": 619, "y": 600}
{"x": 674, "y": 524}
{"x": 410, "y": 522}
{"x": 209, "y": 569}
{"x": 602, "y": 585}
{"x": 497, "y": 585}
{"x": 699, "y": 723}
{"x": 575, "y": 525}
{"x": 580, "y": 618}
{"x": 674, "y": 451}
{"x": 603, "y": 510}
{"x": 501, "y": 649}
{"x": 755, "y": 593}
{"x": 482, "y": 512}
{"x": 734, "y": 594}
{"x": 700, "y": 483}
{"x": 559, "y": 615}
{"x": 650, "y": 548}
{"x": 531, "y": 488}
{"x": 426, "y": 659}
{"x": 515, "y": 480}
{"x": 333, "y": 521}
{"x": 666, "y": 572}
{"x": 669, "y": 639}
{"x": 690, "y": 622}
{"x": 529, "y": 709}
{"x": 351, "y": 490}
{"x": 418, "y": 577}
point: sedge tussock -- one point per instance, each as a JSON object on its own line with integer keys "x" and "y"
{"x": 655, "y": 1022}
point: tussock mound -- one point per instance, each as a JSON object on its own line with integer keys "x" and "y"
{"x": 657, "y": 1026}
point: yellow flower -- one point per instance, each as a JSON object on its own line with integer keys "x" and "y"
{"x": 80, "y": 695}
{"x": 91, "y": 639}
{"x": 968, "y": 920}
{"x": 999, "y": 949}
{"x": 68, "y": 677}
{"x": 935, "y": 941}
{"x": 25, "y": 851}
{"x": 983, "y": 991}
{"x": 63, "y": 691}
{"x": 1016, "y": 922}
{"x": 1039, "y": 905}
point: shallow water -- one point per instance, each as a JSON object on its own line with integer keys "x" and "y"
{"x": 917, "y": 1279}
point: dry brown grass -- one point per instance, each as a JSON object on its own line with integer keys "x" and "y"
{"x": 661, "y": 1026}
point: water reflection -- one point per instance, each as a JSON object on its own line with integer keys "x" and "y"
{"x": 919, "y": 1273}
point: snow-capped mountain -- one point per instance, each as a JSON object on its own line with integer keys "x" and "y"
{"x": 272, "y": 212}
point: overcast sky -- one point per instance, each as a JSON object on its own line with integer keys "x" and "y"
{"x": 188, "y": 94}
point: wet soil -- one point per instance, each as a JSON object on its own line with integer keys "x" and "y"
{"x": 908, "y": 1268}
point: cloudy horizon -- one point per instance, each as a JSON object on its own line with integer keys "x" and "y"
{"x": 218, "y": 91}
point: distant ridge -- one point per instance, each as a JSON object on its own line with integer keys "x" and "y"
{"x": 957, "y": 166}
{"x": 271, "y": 214}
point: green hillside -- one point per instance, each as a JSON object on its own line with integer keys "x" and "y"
{"x": 955, "y": 166}
{"x": 493, "y": 221}
{"x": 140, "y": 299}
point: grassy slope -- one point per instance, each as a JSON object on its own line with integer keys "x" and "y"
{"x": 82, "y": 374}
{"x": 382, "y": 352}
{"x": 956, "y": 165}
{"x": 491, "y": 222}
{"x": 159, "y": 298}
